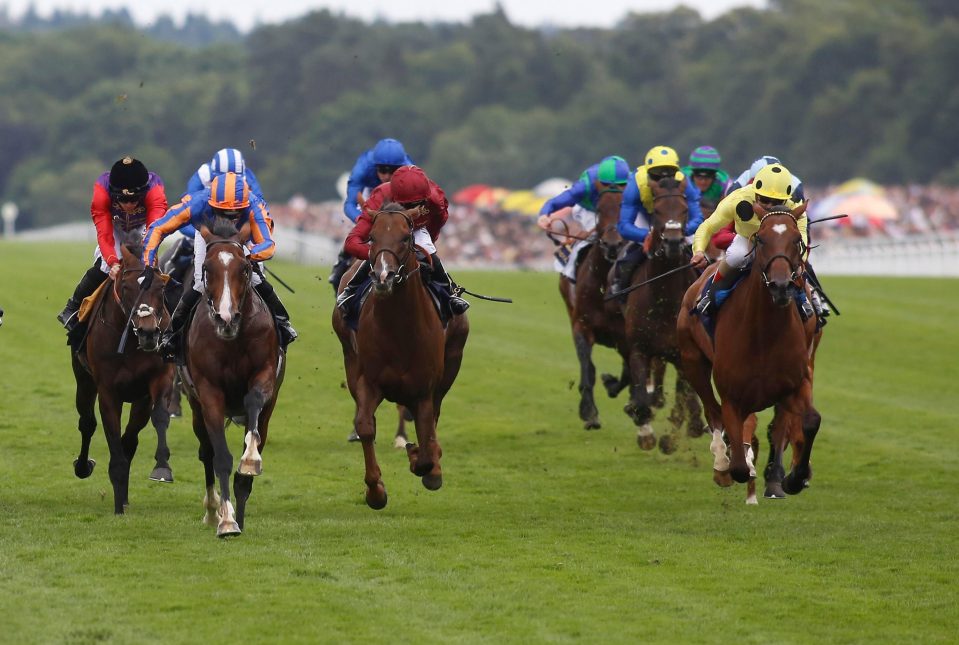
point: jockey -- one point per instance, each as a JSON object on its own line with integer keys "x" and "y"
{"x": 750, "y": 173}
{"x": 772, "y": 186}
{"x": 411, "y": 188}
{"x": 704, "y": 171}
{"x": 372, "y": 168}
{"x": 126, "y": 200}
{"x": 610, "y": 174}
{"x": 228, "y": 197}
{"x": 635, "y": 213}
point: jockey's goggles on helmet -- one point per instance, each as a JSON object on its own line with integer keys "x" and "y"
{"x": 229, "y": 213}
{"x": 769, "y": 201}
{"x": 704, "y": 173}
{"x": 417, "y": 204}
{"x": 385, "y": 169}
{"x": 661, "y": 173}
{"x": 127, "y": 195}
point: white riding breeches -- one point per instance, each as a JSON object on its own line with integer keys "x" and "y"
{"x": 118, "y": 234}
{"x": 199, "y": 256}
{"x": 422, "y": 239}
{"x": 737, "y": 252}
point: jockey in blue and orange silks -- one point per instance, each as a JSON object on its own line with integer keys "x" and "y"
{"x": 635, "y": 213}
{"x": 126, "y": 200}
{"x": 228, "y": 197}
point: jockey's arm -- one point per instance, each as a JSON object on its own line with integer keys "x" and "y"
{"x": 356, "y": 243}
{"x": 631, "y": 206}
{"x": 253, "y": 183}
{"x": 103, "y": 221}
{"x": 695, "y": 218}
{"x": 569, "y": 197}
{"x": 262, "y": 244}
{"x": 155, "y": 203}
{"x": 722, "y": 216}
{"x": 177, "y": 216}
{"x": 355, "y": 185}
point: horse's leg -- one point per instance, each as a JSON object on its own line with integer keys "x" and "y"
{"x": 798, "y": 477}
{"x": 751, "y": 446}
{"x": 685, "y": 410}
{"x": 139, "y": 416}
{"x": 638, "y": 406}
{"x": 211, "y": 499}
{"x": 400, "y": 439}
{"x": 110, "y": 410}
{"x": 583, "y": 342}
{"x": 654, "y": 382}
{"x": 161, "y": 391}
{"x": 776, "y": 435}
{"x": 367, "y": 400}
{"x": 613, "y": 385}
{"x": 692, "y": 411}
{"x": 425, "y": 457}
{"x": 85, "y": 399}
{"x": 213, "y": 411}
{"x": 259, "y": 407}
{"x": 733, "y": 421}
{"x": 174, "y": 404}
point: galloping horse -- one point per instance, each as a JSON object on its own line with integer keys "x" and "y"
{"x": 400, "y": 351}
{"x": 650, "y": 313}
{"x": 137, "y": 376}
{"x": 763, "y": 356}
{"x": 234, "y": 367}
{"x": 594, "y": 320}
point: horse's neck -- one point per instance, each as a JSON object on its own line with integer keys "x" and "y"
{"x": 409, "y": 305}
{"x": 759, "y": 305}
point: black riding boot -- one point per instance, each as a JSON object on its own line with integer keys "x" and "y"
{"x": 457, "y": 305}
{"x": 92, "y": 279}
{"x": 727, "y": 277}
{"x": 362, "y": 272}
{"x": 172, "y": 339}
{"x": 268, "y": 293}
{"x": 626, "y": 265}
{"x": 343, "y": 262}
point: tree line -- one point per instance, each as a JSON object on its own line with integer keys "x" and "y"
{"x": 836, "y": 88}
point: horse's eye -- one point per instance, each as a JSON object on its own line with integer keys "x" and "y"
{"x": 372, "y": 239}
{"x": 407, "y": 239}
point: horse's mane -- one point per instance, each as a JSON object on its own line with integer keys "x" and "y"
{"x": 392, "y": 207}
{"x": 669, "y": 182}
{"x": 223, "y": 227}
{"x": 135, "y": 248}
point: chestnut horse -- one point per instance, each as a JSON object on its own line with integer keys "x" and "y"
{"x": 234, "y": 368}
{"x": 137, "y": 376}
{"x": 650, "y": 312}
{"x": 592, "y": 319}
{"x": 400, "y": 351}
{"x": 763, "y": 356}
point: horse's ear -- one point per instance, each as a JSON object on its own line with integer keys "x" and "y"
{"x": 206, "y": 232}
{"x": 800, "y": 210}
{"x": 244, "y": 232}
{"x": 127, "y": 258}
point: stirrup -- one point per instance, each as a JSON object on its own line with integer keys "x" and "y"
{"x": 69, "y": 317}
{"x": 287, "y": 333}
{"x": 458, "y": 305}
{"x": 705, "y": 304}
{"x": 344, "y": 297}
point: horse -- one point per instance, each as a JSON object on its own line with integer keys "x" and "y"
{"x": 763, "y": 356}
{"x": 592, "y": 319}
{"x": 650, "y": 314}
{"x": 137, "y": 375}
{"x": 234, "y": 368}
{"x": 400, "y": 351}
{"x": 184, "y": 276}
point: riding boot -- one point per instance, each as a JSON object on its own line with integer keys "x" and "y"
{"x": 268, "y": 293}
{"x": 92, "y": 279}
{"x": 171, "y": 342}
{"x": 723, "y": 279}
{"x": 457, "y": 305}
{"x": 626, "y": 265}
{"x": 351, "y": 287}
{"x": 343, "y": 262}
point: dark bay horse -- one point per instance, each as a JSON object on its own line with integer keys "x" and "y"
{"x": 234, "y": 368}
{"x": 651, "y": 311}
{"x": 592, "y": 319}
{"x": 137, "y": 376}
{"x": 400, "y": 351}
{"x": 763, "y": 356}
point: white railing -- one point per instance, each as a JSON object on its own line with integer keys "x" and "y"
{"x": 921, "y": 255}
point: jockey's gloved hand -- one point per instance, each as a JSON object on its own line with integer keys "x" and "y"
{"x": 146, "y": 278}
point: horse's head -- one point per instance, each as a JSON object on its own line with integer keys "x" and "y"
{"x": 779, "y": 249}
{"x": 227, "y": 275}
{"x": 669, "y": 217}
{"x": 607, "y": 219}
{"x": 391, "y": 247}
{"x": 149, "y": 310}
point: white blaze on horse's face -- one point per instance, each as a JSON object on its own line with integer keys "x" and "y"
{"x": 225, "y": 308}
{"x": 384, "y": 269}
{"x": 779, "y": 229}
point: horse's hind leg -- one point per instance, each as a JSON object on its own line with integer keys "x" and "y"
{"x": 615, "y": 385}
{"x": 638, "y": 407}
{"x": 211, "y": 499}
{"x": 587, "y": 379}
{"x": 365, "y": 423}
{"x": 85, "y": 399}
{"x": 733, "y": 421}
{"x": 160, "y": 393}
{"x": 425, "y": 458}
{"x": 400, "y": 439}
{"x": 110, "y": 409}
{"x": 213, "y": 411}
{"x": 656, "y": 374}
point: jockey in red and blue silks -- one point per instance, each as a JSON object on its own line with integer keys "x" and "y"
{"x": 635, "y": 212}
{"x": 126, "y": 200}
{"x": 228, "y": 197}
{"x": 582, "y": 197}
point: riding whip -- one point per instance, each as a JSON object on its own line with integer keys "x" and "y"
{"x": 617, "y": 294}
{"x": 476, "y": 295}
{"x": 278, "y": 279}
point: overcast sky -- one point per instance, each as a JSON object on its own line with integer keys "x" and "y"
{"x": 246, "y": 13}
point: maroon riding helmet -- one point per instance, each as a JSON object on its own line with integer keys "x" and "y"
{"x": 409, "y": 185}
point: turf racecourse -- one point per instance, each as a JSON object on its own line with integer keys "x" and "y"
{"x": 542, "y": 532}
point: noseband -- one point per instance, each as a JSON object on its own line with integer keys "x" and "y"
{"x": 795, "y": 268}
{"x": 142, "y": 310}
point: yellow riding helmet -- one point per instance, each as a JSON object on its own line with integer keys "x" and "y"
{"x": 774, "y": 181}
{"x": 661, "y": 157}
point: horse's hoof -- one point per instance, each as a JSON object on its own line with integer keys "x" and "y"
{"x": 667, "y": 445}
{"x": 227, "y": 529}
{"x": 376, "y": 497}
{"x": 611, "y": 383}
{"x": 252, "y": 467}
{"x": 657, "y": 401}
{"x": 696, "y": 430}
{"x": 592, "y": 424}
{"x": 210, "y": 519}
{"x": 162, "y": 474}
{"x": 646, "y": 438}
{"x": 422, "y": 469}
{"x": 722, "y": 478}
{"x": 793, "y": 485}
{"x": 82, "y": 472}
{"x": 774, "y": 490}
{"x": 432, "y": 482}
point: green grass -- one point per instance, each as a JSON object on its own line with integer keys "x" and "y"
{"x": 541, "y": 533}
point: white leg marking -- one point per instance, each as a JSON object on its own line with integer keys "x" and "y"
{"x": 750, "y": 459}
{"x": 718, "y": 448}
{"x": 251, "y": 463}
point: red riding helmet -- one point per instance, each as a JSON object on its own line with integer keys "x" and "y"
{"x": 409, "y": 184}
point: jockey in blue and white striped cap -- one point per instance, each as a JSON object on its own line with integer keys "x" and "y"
{"x": 224, "y": 161}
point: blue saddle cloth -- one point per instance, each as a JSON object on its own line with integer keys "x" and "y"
{"x": 709, "y": 319}
{"x": 439, "y": 293}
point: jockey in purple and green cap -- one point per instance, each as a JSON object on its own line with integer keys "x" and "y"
{"x": 705, "y": 172}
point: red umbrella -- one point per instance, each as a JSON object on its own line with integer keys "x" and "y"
{"x": 469, "y": 194}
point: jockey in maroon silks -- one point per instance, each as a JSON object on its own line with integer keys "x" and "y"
{"x": 126, "y": 200}
{"x": 413, "y": 190}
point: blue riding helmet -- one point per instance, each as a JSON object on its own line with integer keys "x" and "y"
{"x": 227, "y": 160}
{"x": 389, "y": 152}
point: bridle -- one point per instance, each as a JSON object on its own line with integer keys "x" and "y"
{"x": 402, "y": 273}
{"x": 143, "y": 310}
{"x": 669, "y": 224}
{"x": 796, "y": 274}
{"x": 249, "y": 267}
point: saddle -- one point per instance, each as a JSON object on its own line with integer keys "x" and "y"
{"x": 439, "y": 293}
{"x": 709, "y": 319}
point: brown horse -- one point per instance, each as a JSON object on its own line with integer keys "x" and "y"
{"x": 234, "y": 368}
{"x": 137, "y": 376}
{"x": 400, "y": 351}
{"x": 592, "y": 319}
{"x": 650, "y": 313}
{"x": 763, "y": 356}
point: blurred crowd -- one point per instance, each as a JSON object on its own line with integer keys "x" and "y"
{"x": 491, "y": 238}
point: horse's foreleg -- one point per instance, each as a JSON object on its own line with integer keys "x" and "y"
{"x": 798, "y": 477}
{"x": 367, "y": 400}
{"x": 692, "y": 411}
{"x": 425, "y": 458}
{"x": 655, "y": 375}
{"x": 751, "y": 448}
{"x": 139, "y": 416}
{"x": 587, "y": 379}
{"x": 613, "y": 385}
{"x": 86, "y": 397}
{"x": 213, "y": 411}
{"x": 400, "y": 439}
{"x": 776, "y": 434}
{"x": 733, "y": 421}
{"x": 251, "y": 462}
{"x": 110, "y": 410}
{"x": 211, "y": 499}
{"x": 638, "y": 407}
{"x": 160, "y": 393}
